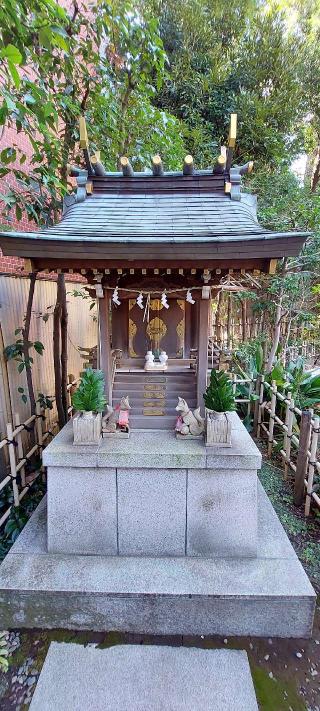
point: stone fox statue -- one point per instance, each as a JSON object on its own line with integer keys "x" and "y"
{"x": 189, "y": 423}
{"x": 117, "y": 417}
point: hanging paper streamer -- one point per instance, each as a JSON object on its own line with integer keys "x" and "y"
{"x": 140, "y": 300}
{"x": 164, "y": 300}
{"x": 115, "y": 297}
{"x": 189, "y": 298}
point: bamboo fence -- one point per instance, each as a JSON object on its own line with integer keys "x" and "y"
{"x": 297, "y": 445}
{"x": 25, "y": 440}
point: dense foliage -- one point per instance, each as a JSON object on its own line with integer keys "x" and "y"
{"x": 160, "y": 76}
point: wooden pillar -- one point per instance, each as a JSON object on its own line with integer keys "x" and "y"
{"x": 187, "y": 330}
{"x": 203, "y": 323}
{"x": 104, "y": 343}
{"x": 302, "y": 459}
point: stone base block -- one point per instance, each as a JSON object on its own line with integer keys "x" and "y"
{"x": 148, "y": 678}
{"x": 153, "y": 495}
{"x": 265, "y": 596}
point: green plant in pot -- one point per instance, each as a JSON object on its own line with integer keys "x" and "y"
{"x": 219, "y": 400}
{"x": 219, "y": 396}
{"x": 89, "y": 400}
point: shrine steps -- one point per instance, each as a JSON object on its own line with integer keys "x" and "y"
{"x": 153, "y": 396}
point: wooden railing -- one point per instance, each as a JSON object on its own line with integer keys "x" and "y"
{"x": 24, "y": 441}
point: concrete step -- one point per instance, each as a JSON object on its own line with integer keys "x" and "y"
{"x": 166, "y": 387}
{"x": 163, "y": 379}
{"x": 179, "y": 363}
{"x": 144, "y": 678}
{"x": 153, "y": 422}
{"x": 266, "y": 596}
{"x": 143, "y": 393}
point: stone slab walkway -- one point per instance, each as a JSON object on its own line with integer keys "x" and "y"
{"x": 144, "y": 678}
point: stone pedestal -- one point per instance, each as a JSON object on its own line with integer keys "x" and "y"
{"x": 155, "y": 535}
{"x": 153, "y": 495}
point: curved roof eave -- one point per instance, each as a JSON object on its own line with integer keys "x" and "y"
{"x": 136, "y": 238}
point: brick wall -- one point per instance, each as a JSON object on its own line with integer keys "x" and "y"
{"x": 14, "y": 265}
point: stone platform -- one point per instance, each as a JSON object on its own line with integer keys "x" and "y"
{"x": 153, "y": 495}
{"x": 269, "y": 595}
{"x": 144, "y": 678}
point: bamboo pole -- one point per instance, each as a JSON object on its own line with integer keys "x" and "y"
{"x": 256, "y": 407}
{"x": 39, "y": 426}
{"x": 311, "y": 468}
{"x": 261, "y": 396}
{"x": 244, "y": 319}
{"x": 288, "y": 434}
{"x": 20, "y": 448}
{"x": 13, "y": 464}
{"x": 249, "y": 395}
{"x": 271, "y": 417}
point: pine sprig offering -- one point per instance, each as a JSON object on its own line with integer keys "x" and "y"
{"x": 90, "y": 394}
{"x": 219, "y": 394}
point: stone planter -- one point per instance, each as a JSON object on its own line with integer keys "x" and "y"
{"x": 218, "y": 429}
{"x": 87, "y": 428}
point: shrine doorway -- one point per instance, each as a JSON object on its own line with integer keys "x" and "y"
{"x": 156, "y": 328}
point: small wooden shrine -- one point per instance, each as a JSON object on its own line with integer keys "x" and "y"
{"x": 157, "y": 246}
{"x": 170, "y": 541}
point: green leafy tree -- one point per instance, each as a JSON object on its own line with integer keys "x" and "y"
{"x": 245, "y": 57}
{"x": 106, "y": 62}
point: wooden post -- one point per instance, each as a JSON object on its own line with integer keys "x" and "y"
{"x": 188, "y": 165}
{"x": 289, "y": 436}
{"x": 104, "y": 343}
{"x": 271, "y": 417}
{"x": 203, "y": 321}
{"x": 39, "y": 430}
{"x": 229, "y": 317}
{"x": 64, "y": 347}
{"x": 313, "y": 455}
{"x": 256, "y": 406}
{"x": 13, "y": 464}
{"x": 302, "y": 460}
{"x": 39, "y": 427}
{"x": 217, "y": 320}
{"x": 157, "y": 166}
{"x": 261, "y": 396}
{"x": 244, "y": 319}
{"x": 250, "y": 389}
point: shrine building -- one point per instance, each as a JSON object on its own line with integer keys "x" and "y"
{"x": 156, "y": 246}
